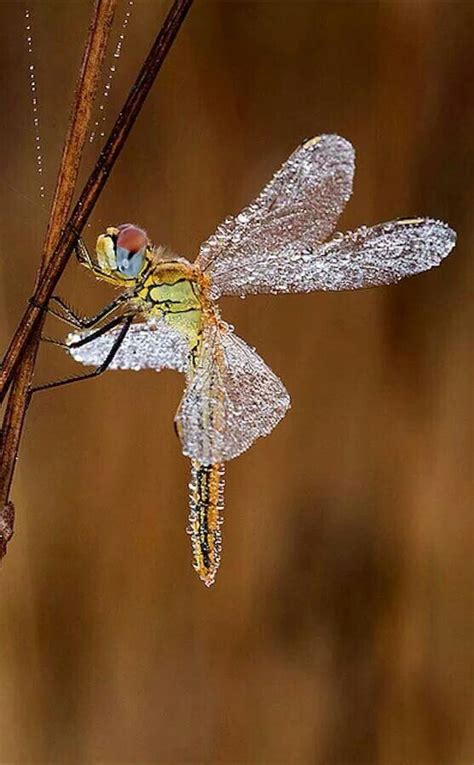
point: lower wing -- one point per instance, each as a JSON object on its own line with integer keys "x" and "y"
{"x": 232, "y": 398}
{"x": 151, "y": 344}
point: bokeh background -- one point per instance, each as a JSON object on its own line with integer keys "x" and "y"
{"x": 340, "y": 629}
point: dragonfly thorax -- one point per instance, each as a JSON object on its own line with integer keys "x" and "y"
{"x": 172, "y": 289}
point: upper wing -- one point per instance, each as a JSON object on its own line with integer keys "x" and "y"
{"x": 148, "y": 345}
{"x": 367, "y": 257}
{"x": 371, "y": 256}
{"x": 298, "y": 208}
{"x": 231, "y": 399}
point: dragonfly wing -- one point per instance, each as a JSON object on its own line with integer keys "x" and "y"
{"x": 373, "y": 256}
{"x": 298, "y": 208}
{"x": 147, "y": 345}
{"x": 232, "y": 398}
{"x": 367, "y": 257}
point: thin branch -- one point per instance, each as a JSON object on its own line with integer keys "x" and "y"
{"x": 92, "y": 189}
{"x": 86, "y": 89}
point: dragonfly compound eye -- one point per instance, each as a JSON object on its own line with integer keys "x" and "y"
{"x": 130, "y": 249}
{"x": 130, "y": 263}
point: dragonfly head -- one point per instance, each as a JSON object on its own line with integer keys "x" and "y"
{"x": 123, "y": 252}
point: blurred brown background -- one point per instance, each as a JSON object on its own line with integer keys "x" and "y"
{"x": 340, "y": 629}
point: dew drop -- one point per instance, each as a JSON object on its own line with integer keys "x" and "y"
{"x": 112, "y": 69}
{"x": 34, "y": 99}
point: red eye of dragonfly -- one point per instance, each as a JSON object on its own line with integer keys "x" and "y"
{"x": 131, "y": 238}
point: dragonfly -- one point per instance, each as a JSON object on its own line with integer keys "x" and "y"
{"x": 166, "y": 315}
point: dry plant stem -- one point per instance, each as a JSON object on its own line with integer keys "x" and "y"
{"x": 23, "y": 347}
{"x": 93, "y": 188}
{"x": 86, "y": 89}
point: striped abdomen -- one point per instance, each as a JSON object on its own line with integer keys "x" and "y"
{"x": 206, "y": 499}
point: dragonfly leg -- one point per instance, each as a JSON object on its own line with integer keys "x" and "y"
{"x": 99, "y": 331}
{"x": 84, "y": 257}
{"x": 82, "y": 253}
{"x": 53, "y": 341}
{"x": 71, "y": 318}
{"x": 68, "y": 315}
{"x": 85, "y": 322}
{"x": 88, "y": 338}
{"x": 125, "y": 321}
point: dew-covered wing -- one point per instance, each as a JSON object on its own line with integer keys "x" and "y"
{"x": 147, "y": 345}
{"x": 231, "y": 399}
{"x": 367, "y": 257}
{"x": 298, "y": 208}
{"x": 370, "y": 256}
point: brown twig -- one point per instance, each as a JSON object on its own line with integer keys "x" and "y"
{"x": 27, "y": 330}
{"x": 86, "y": 89}
{"x": 93, "y": 188}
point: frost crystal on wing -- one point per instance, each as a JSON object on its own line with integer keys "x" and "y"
{"x": 152, "y": 344}
{"x": 298, "y": 208}
{"x": 231, "y": 399}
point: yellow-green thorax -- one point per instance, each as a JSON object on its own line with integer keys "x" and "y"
{"x": 173, "y": 290}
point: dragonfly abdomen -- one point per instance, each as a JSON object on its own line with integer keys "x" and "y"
{"x": 206, "y": 496}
